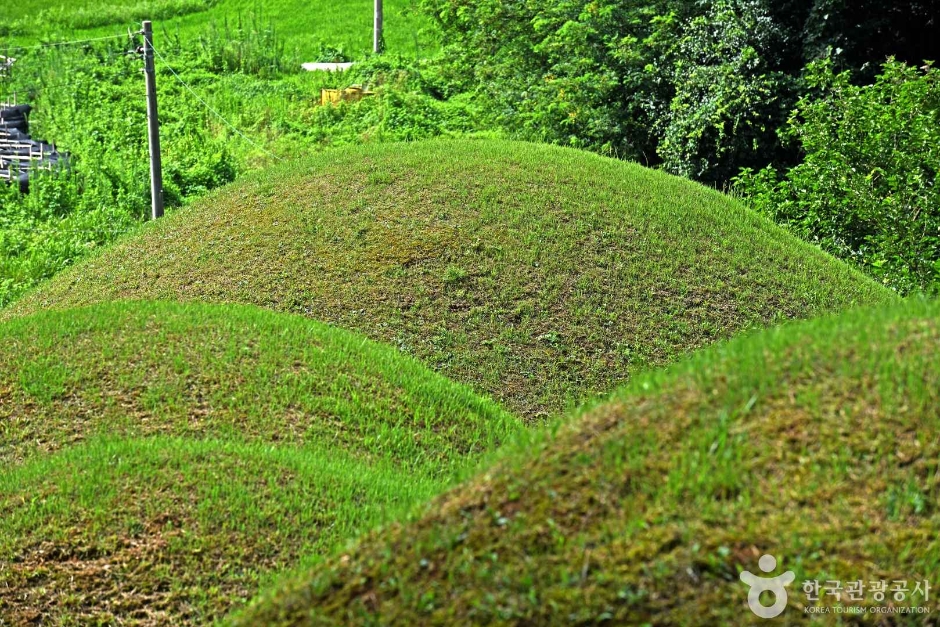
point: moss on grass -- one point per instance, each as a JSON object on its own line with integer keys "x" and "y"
{"x": 817, "y": 443}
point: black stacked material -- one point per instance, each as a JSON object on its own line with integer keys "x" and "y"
{"x": 15, "y": 117}
{"x": 19, "y": 153}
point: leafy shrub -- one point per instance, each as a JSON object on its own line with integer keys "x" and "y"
{"x": 727, "y": 97}
{"x": 569, "y": 72}
{"x": 406, "y": 106}
{"x": 867, "y": 188}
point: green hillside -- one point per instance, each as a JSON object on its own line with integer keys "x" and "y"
{"x": 306, "y": 27}
{"x": 815, "y": 442}
{"x": 162, "y": 460}
{"x": 538, "y": 275}
{"x": 177, "y": 531}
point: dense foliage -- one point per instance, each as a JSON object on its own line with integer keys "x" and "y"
{"x": 568, "y": 72}
{"x": 698, "y": 86}
{"x": 867, "y": 187}
{"x": 703, "y": 90}
{"x": 728, "y": 94}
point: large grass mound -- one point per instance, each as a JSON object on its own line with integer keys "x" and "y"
{"x": 199, "y": 370}
{"x": 817, "y": 443}
{"x": 177, "y": 531}
{"x": 160, "y": 461}
{"x": 538, "y": 274}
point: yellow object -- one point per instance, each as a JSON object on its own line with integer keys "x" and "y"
{"x": 354, "y": 93}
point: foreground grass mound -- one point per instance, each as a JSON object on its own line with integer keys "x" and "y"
{"x": 538, "y": 274}
{"x": 162, "y": 460}
{"x": 199, "y": 370}
{"x": 175, "y": 531}
{"x": 817, "y": 443}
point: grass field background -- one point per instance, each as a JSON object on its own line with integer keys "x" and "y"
{"x": 304, "y": 27}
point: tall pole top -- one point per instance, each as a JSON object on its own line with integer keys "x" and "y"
{"x": 377, "y": 36}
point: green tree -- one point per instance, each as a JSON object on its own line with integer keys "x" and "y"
{"x": 867, "y": 187}
{"x": 570, "y": 72}
{"x": 728, "y": 94}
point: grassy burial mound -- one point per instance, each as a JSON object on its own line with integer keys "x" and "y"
{"x": 161, "y": 460}
{"x": 172, "y": 531}
{"x": 537, "y": 274}
{"x": 199, "y": 370}
{"x": 817, "y": 443}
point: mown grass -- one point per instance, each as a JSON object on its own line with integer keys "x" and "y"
{"x": 169, "y": 530}
{"x": 307, "y": 27}
{"x": 539, "y": 275}
{"x": 201, "y": 370}
{"x": 816, "y": 442}
{"x": 162, "y": 460}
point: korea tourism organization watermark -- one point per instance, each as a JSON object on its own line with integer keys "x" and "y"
{"x": 830, "y": 596}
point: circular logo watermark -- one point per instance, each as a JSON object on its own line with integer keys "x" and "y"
{"x": 775, "y": 585}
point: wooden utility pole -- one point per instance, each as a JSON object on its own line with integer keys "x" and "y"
{"x": 153, "y": 125}
{"x": 377, "y": 40}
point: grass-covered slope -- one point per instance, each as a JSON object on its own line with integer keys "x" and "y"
{"x": 817, "y": 443}
{"x": 538, "y": 274}
{"x": 311, "y": 27}
{"x": 201, "y": 370}
{"x": 161, "y": 460}
{"x": 176, "y": 531}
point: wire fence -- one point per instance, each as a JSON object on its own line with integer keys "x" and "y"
{"x": 11, "y": 95}
{"x": 10, "y": 92}
{"x": 66, "y": 78}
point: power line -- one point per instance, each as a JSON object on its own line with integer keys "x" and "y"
{"x": 62, "y": 43}
{"x": 13, "y": 86}
{"x": 34, "y": 87}
{"x": 207, "y": 106}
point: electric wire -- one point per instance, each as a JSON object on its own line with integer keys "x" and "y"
{"x": 209, "y": 107}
